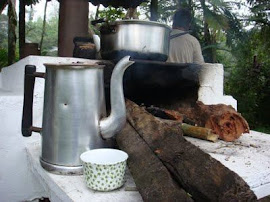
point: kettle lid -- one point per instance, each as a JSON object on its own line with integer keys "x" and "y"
{"x": 78, "y": 65}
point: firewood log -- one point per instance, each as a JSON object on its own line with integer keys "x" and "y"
{"x": 222, "y": 119}
{"x": 205, "y": 178}
{"x": 152, "y": 179}
{"x": 177, "y": 119}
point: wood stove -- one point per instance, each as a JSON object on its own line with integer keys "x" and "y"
{"x": 166, "y": 84}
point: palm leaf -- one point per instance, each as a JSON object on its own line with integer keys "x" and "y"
{"x": 217, "y": 47}
{"x": 216, "y": 20}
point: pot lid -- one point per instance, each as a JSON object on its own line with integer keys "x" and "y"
{"x": 143, "y": 22}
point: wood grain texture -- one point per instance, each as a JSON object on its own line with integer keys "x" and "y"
{"x": 205, "y": 178}
{"x": 152, "y": 179}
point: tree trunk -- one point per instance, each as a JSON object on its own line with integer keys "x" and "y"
{"x": 21, "y": 26}
{"x": 154, "y": 10}
{"x": 205, "y": 178}
{"x": 43, "y": 26}
{"x": 152, "y": 179}
{"x": 207, "y": 36}
{"x": 213, "y": 42}
{"x": 214, "y": 49}
{"x": 12, "y": 22}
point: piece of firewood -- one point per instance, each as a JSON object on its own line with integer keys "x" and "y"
{"x": 193, "y": 131}
{"x": 177, "y": 119}
{"x": 199, "y": 132}
{"x": 222, "y": 119}
{"x": 205, "y": 178}
{"x": 152, "y": 179}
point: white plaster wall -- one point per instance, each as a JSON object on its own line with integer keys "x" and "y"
{"x": 211, "y": 90}
{"x": 17, "y": 183}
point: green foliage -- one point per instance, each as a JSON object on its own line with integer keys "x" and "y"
{"x": 166, "y": 10}
{"x": 218, "y": 15}
{"x": 33, "y": 35}
{"x": 260, "y": 10}
{"x": 235, "y": 32}
{"x": 111, "y": 14}
{"x": 3, "y": 41}
{"x": 3, "y": 58}
{"x": 250, "y": 81}
{"x": 3, "y": 31}
{"x": 263, "y": 129}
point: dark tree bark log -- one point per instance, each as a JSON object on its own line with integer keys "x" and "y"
{"x": 205, "y": 178}
{"x": 153, "y": 180}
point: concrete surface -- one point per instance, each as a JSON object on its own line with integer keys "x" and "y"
{"x": 248, "y": 156}
{"x": 72, "y": 188}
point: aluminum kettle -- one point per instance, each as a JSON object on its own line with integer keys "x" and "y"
{"x": 74, "y": 112}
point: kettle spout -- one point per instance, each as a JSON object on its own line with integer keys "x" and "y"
{"x": 116, "y": 120}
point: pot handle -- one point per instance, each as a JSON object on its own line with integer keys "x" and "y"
{"x": 29, "y": 83}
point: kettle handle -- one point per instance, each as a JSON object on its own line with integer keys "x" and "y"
{"x": 29, "y": 83}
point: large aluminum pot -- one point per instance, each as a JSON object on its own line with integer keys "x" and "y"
{"x": 145, "y": 40}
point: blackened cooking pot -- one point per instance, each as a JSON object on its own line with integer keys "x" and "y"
{"x": 140, "y": 39}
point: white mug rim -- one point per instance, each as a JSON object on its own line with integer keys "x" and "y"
{"x": 95, "y": 156}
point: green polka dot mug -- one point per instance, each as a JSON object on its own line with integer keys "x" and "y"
{"x": 104, "y": 169}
